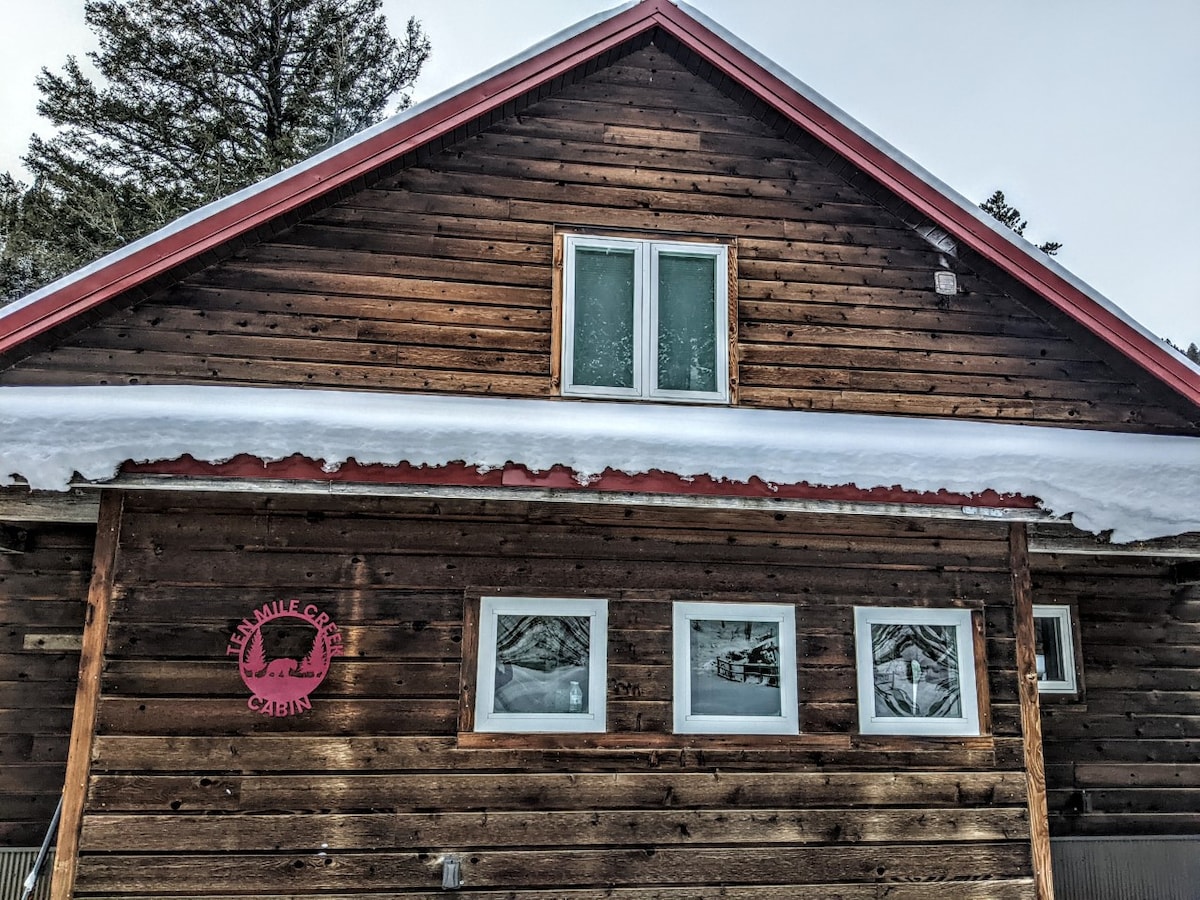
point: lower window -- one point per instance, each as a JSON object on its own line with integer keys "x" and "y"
{"x": 916, "y": 671}
{"x": 1055, "y": 650}
{"x": 542, "y": 664}
{"x": 735, "y": 669}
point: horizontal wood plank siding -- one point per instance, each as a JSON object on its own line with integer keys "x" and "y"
{"x": 193, "y": 794}
{"x": 438, "y": 278}
{"x": 42, "y": 598}
{"x": 1124, "y": 759}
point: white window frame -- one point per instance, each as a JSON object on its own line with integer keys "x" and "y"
{"x": 594, "y": 720}
{"x": 788, "y": 722}
{"x": 646, "y": 254}
{"x": 1061, "y": 615}
{"x": 960, "y": 620}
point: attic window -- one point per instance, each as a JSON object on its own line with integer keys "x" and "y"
{"x": 645, "y": 319}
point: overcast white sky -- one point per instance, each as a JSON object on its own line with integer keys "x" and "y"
{"x": 1085, "y": 112}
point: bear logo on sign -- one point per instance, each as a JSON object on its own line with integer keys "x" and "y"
{"x": 283, "y": 654}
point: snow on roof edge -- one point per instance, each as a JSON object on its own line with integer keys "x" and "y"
{"x": 1137, "y": 486}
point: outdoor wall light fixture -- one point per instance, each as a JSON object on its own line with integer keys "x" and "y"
{"x": 945, "y": 282}
{"x": 451, "y": 873}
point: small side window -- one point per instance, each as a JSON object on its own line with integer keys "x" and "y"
{"x": 735, "y": 668}
{"x": 645, "y": 319}
{"x": 916, "y": 671}
{"x": 1055, "y": 649}
{"x": 542, "y": 665}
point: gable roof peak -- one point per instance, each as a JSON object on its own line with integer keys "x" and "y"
{"x": 214, "y": 226}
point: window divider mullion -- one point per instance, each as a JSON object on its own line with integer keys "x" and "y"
{"x": 648, "y": 345}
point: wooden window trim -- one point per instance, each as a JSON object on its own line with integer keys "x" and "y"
{"x": 473, "y": 715}
{"x": 661, "y": 741}
{"x": 558, "y": 310}
{"x": 982, "y": 691}
{"x": 731, "y": 321}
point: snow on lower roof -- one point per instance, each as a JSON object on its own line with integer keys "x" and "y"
{"x": 1138, "y": 486}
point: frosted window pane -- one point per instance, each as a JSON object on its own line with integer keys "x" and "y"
{"x": 603, "y": 339}
{"x": 687, "y": 296}
{"x": 542, "y": 664}
{"x": 916, "y": 671}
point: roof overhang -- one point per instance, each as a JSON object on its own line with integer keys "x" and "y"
{"x": 1135, "y": 486}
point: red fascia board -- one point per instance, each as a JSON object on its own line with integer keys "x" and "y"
{"x": 359, "y": 160}
{"x": 930, "y": 201}
{"x": 302, "y": 468}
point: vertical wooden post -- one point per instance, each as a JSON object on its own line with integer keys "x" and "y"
{"x": 1031, "y": 713}
{"x": 87, "y": 694}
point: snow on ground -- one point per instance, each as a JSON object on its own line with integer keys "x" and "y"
{"x": 1138, "y": 486}
{"x": 716, "y": 696}
{"x": 713, "y": 695}
{"x": 523, "y": 690}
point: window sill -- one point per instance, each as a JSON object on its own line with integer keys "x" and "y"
{"x": 1076, "y": 702}
{"x": 922, "y": 742}
{"x": 481, "y": 740}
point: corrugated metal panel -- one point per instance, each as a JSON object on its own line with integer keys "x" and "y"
{"x": 1142, "y": 868}
{"x": 15, "y": 864}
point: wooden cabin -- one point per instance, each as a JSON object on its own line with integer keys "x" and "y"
{"x": 398, "y": 513}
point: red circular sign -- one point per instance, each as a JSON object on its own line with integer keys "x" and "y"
{"x": 280, "y": 684}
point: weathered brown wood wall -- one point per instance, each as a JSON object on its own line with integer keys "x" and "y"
{"x": 192, "y": 793}
{"x": 1124, "y": 759}
{"x": 42, "y": 595}
{"x": 439, "y": 278}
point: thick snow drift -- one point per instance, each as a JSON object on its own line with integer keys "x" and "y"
{"x": 1138, "y": 486}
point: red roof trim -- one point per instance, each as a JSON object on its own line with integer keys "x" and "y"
{"x": 310, "y": 183}
{"x": 260, "y": 207}
{"x": 926, "y": 198}
{"x": 301, "y": 468}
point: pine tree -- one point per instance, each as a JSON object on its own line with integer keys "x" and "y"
{"x": 1193, "y": 353}
{"x": 1010, "y": 217}
{"x": 256, "y": 660}
{"x": 25, "y": 261}
{"x": 315, "y": 661}
{"x": 193, "y": 100}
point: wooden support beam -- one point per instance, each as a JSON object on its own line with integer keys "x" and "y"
{"x": 19, "y": 504}
{"x": 1186, "y": 572}
{"x": 53, "y": 643}
{"x": 1031, "y": 714}
{"x": 1064, "y": 540}
{"x": 13, "y": 539}
{"x": 87, "y": 695}
{"x": 297, "y": 487}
